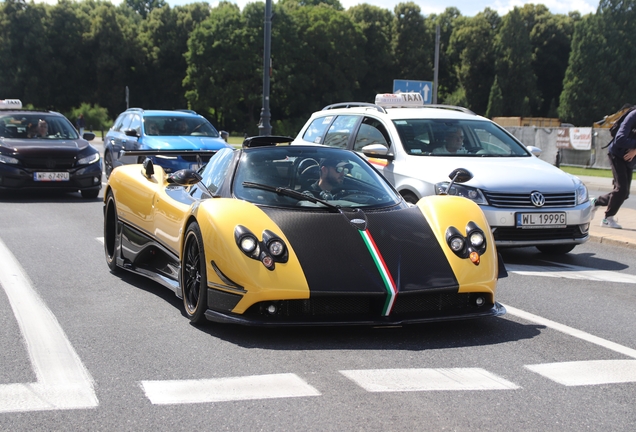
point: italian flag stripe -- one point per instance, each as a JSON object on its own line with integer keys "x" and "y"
{"x": 389, "y": 284}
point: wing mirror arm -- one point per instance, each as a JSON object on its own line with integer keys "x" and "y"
{"x": 459, "y": 175}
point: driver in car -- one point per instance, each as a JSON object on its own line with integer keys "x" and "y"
{"x": 332, "y": 174}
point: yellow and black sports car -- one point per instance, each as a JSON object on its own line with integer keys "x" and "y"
{"x": 300, "y": 235}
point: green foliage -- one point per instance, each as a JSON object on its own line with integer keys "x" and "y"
{"x": 61, "y": 56}
{"x": 95, "y": 117}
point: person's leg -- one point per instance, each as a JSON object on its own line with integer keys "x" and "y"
{"x": 622, "y": 181}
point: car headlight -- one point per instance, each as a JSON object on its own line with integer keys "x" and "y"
{"x": 88, "y": 159}
{"x": 581, "y": 194}
{"x": 9, "y": 160}
{"x": 471, "y": 193}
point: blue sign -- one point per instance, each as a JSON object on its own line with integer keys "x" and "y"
{"x": 425, "y": 88}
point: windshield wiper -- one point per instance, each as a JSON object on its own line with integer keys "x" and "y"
{"x": 291, "y": 193}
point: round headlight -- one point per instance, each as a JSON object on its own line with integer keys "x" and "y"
{"x": 276, "y": 248}
{"x": 248, "y": 244}
{"x": 457, "y": 244}
{"x": 477, "y": 239}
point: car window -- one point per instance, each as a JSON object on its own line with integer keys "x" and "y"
{"x": 479, "y": 138}
{"x": 135, "y": 123}
{"x": 119, "y": 122}
{"x": 298, "y": 168}
{"x": 316, "y": 129}
{"x": 179, "y": 125}
{"x": 125, "y": 122}
{"x": 340, "y": 131}
{"x": 371, "y": 131}
{"x": 36, "y": 126}
{"x": 215, "y": 172}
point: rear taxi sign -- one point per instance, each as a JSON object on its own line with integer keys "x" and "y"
{"x": 10, "y": 104}
{"x": 399, "y": 100}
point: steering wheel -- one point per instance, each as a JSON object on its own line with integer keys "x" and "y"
{"x": 306, "y": 163}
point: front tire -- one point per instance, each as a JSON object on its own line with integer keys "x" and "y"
{"x": 110, "y": 232}
{"x": 194, "y": 275}
{"x": 555, "y": 249}
{"x": 108, "y": 163}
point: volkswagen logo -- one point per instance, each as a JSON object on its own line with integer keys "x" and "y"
{"x": 537, "y": 198}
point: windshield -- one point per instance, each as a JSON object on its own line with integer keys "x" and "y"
{"x": 466, "y": 138}
{"x": 305, "y": 176}
{"x": 36, "y": 126}
{"x": 178, "y": 126}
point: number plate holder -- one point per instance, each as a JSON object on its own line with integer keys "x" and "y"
{"x": 540, "y": 220}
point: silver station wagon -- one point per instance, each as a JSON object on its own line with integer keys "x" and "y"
{"x": 527, "y": 201}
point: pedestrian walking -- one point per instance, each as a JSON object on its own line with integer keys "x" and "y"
{"x": 80, "y": 124}
{"x": 622, "y": 156}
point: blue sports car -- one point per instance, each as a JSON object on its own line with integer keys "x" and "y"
{"x": 137, "y": 129}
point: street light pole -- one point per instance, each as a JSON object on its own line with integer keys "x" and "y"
{"x": 264, "y": 126}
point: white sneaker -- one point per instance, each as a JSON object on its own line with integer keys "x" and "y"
{"x": 610, "y": 222}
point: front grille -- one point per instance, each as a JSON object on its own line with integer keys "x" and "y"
{"x": 552, "y": 200}
{"x": 571, "y": 232}
{"x": 351, "y": 308}
{"x": 48, "y": 163}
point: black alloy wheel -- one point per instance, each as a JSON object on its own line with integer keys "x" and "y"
{"x": 108, "y": 163}
{"x": 193, "y": 275}
{"x": 110, "y": 232}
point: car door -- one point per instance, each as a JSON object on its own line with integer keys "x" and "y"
{"x": 373, "y": 131}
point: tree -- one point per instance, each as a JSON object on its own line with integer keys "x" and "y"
{"x": 471, "y": 52}
{"x": 413, "y": 43}
{"x": 513, "y": 64}
{"x": 145, "y": 7}
{"x": 599, "y": 78}
{"x": 379, "y": 65}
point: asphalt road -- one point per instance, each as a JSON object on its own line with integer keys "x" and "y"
{"x": 84, "y": 349}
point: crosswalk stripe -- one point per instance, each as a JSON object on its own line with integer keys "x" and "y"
{"x": 227, "y": 389}
{"x": 594, "y": 372}
{"x": 62, "y": 380}
{"x": 401, "y": 380}
{"x": 571, "y": 272}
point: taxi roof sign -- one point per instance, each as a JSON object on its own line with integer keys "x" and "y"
{"x": 399, "y": 100}
{"x": 10, "y": 104}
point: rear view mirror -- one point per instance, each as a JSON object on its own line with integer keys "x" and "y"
{"x": 185, "y": 177}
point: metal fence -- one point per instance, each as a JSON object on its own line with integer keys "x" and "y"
{"x": 546, "y": 139}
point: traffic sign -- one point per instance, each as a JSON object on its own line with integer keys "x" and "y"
{"x": 425, "y": 88}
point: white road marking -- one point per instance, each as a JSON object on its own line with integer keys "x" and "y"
{"x": 62, "y": 380}
{"x": 227, "y": 389}
{"x": 594, "y": 372}
{"x": 100, "y": 239}
{"x": 571, "y": 272}
{"x": 571, "y": 331}
{"x": 403, "y": 380}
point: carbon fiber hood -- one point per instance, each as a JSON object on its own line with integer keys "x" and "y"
{"x": 335, "y": 257}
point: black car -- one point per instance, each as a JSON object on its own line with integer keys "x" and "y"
{"x": 42, "y": 150}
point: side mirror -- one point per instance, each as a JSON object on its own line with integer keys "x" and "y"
{"x": 185, "y": 177}
{"x": 224, "y": 135}
{"x": 459, "y": 175}
{"x": 377, "y": 151}
{"x": 534, "y": 150}
{"x": 88, "y": 136}
{"x": 131, "y": 133}
{"x": 148, "y": 168}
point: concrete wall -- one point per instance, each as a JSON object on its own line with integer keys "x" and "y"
{"x": 545, "y": 139}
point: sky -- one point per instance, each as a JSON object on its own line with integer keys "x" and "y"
{"x": 466, "y": 7}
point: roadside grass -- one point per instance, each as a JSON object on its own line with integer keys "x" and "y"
{"x": 593, "y": 172}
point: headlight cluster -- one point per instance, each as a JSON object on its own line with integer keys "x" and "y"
{"x": 8, "y": 160}
{"x": 88, "y": 159}
{"x": 269, "y": 250}
{"x": 472, "y": 245}
{"x": 471, "y": 193}
{"x": 581, "y": 194}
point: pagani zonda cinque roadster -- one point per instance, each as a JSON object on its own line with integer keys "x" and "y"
{"x": 254, "y": 238}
